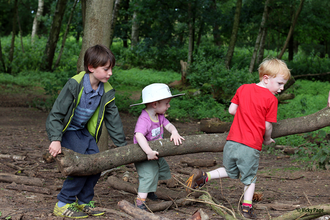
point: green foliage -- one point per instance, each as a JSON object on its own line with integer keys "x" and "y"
{"x": 315, "y": 153}
{"x": 137, "y": 79}
{"x": 191, "y": 107}
{"x": 31, "y": 58}
{"x": 310, "y": 64}
{"x": 144, "y": 55}
{"x": 310, "y": 97}
{"x": 209, "y": 74}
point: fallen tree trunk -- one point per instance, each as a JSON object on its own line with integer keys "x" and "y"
{"x": 73, "y": 163}
{"x": 9, "y": 178}
{"x": 34, "y": 189}
{"x": 311, "y": 212}
{"x": 161, "y": 193}
{"x": 136, "y": 212}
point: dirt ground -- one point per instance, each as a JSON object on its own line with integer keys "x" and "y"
{"x": 22, "y": 132}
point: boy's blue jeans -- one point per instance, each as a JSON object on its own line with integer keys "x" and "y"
{"x": 81, "y": 187}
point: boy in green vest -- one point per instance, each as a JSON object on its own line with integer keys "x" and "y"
{"x": 75, "y": 122}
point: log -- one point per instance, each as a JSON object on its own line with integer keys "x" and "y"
{"x": 76, "y": 164}
{"x": 72, "y": 163}
{"x": 161, "y": 193}
{"x": 34, "y": 189}
{"x": 310, "y": 212}
{"x": 285, "y": 96}
{"x": 157, "y": 207}
{"x": 138, "y": 213}
{"x": 9, "y": 178}
{"x": 199, "y": 162}
{"x": 214, "y": 125}
{"x": 14, "y": 157}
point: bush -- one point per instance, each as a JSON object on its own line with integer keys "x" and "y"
{"x": 32, "y": 57}
{"x": 211, "y": 77}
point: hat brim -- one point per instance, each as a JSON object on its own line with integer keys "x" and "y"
{"x": 173, "y": 96}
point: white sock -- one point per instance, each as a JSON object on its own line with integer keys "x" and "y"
{"x": 142, "y": 195}
{"x": 248, "y": 195}
{"x": 218, "y": 173}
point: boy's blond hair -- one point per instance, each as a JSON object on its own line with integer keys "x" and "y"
{"x": 272, "y": 67}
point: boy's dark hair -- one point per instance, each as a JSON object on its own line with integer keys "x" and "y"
{"x": 98, "y": 55}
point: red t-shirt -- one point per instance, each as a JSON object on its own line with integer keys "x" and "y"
{"x": 256, "y": 105}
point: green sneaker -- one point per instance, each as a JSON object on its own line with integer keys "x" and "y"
{"x": 90, "y": 209}
{"x": 69, "y": 210}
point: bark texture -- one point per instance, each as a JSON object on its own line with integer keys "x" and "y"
{"x": 65, "y": 34}
{"x": 96, "y": 26}
{"x": 114, "y": 20}
{"x": 294, "y": 21}
{"x": 54, "y": 34}
{"x": 10, "y": 178}
{"x": 36, "y": 21}
{"x": 234, "y": 33}
{"x": 81, "y": 165}
{"x": 259, "y": 37}
{"x": 135, "y": 30}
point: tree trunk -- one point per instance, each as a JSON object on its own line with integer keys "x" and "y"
{"x": 65, "y": 34}
{"x": 96, "y": 31}
{"x": 215, "y": 31}
{"x": 12, "y": 45}
{"x": 31, "y": 181}
{"x": 137, "y": 213}
{"x": 311, "y": 212}
{"x": 80, "y": 165}
{"x": 126, "y": 37}
{"x": 294, "y": 21}
{"x": 259, "y": 37}
{"x": 135, "y": 31}
{"x": 1, "y": 58}
{"x": 114, "y": 20}
{"x": 36, "y": 22}
{"x": 83, "y": 12}
{"x": 262, "y": 46}
{"x": 20, "y": 33}
{"x": 291, "y": 47}
{"x": 191, "y": 34}
{"x": 97, "y": 26}
{"x": 233, "y": 37}
{"x": 53, "y": 35}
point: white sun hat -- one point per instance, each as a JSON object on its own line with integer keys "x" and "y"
{"x": 155, "y": 92}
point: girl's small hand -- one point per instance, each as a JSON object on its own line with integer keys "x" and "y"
{"x": 153, "y": 155}
{"x": 176, "y": 138}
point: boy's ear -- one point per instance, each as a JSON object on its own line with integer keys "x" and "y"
{"x": 90, "y": 68}
{"x": 265, "y": 78}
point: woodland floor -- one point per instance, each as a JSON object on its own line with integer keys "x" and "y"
{"x": 22, "y": 132}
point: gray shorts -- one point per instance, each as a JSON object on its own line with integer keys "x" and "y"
{"x": 241, "y": 159}
{"x": 150, "y": 172}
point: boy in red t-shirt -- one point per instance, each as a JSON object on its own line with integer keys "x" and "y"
{"x": 255, "y": 109}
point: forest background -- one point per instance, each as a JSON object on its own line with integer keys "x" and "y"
{"x": 221, "y": 41}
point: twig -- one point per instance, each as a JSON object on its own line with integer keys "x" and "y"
{"x": 143, "y": 201}
{"x": 179, "y": 210}
{"x": 205, "y": 192}
{"x": 307, "y": 199}
{"x": 285, "y": 178}
{"x": 220, "y": 206}
{"x": 99, "y": 199}
{"x": 124, "y": 215}
{"x": 195, "y": 190}
{"x": 173, "y": 202}
{"x": 301, "y": 216}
